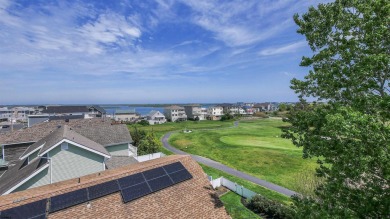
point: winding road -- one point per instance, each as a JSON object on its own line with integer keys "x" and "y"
{"x": 226, "y": 169}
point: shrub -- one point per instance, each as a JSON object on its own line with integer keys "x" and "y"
{"x": 269, "y": 208}
{"x": 227, "y": 116}
{"x": 143, "y": 122}
{"x": 261, "y": 115}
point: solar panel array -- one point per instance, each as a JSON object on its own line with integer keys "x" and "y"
{"x": 141, "y": 184}
{"x": 131, "y": 187}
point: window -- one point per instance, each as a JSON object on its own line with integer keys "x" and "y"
{"x": 64, "y": 146}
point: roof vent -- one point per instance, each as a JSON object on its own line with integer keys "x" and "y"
{"x": 59, "y": 126}
{"x": 66, "y": 120}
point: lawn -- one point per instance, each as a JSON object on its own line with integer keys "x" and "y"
{"x": 254, "y": 147}
{"x": 235, "y": 208}
{"x": 162, "y": 129}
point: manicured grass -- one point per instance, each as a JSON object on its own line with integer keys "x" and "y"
{"x": 254, "y": 147}
{"x": 235, "y": 208}
{"x": 161, "y": 129}
{"x": 249, "y": 185}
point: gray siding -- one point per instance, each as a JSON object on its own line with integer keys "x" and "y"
{"x": 118, "y": 150}
{"x": 74, "y": 162}
{"x": 42, "y": 178}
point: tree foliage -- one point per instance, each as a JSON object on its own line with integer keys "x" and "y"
{"x": 349, "y": 133}
{"x": 149, "y": 144}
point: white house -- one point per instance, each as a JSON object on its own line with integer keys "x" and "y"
{"x": 155, "y": 117}
{"x": 214, "y": 112}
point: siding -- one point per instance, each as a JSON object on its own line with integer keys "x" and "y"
{"x": 74, "y": 162}
{"x": 42, "y": 178}
{"x": 118, "y": 150}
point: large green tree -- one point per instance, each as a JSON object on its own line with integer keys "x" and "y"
{"x": 349, "y": 132}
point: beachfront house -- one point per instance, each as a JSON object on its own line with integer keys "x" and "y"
{"x": 155, "y": 117}
{"x": 195, "y": 112}
{"x": 214, "y": 113}
{"x": 175, "y": 113}
{"x": 126, "y": 115}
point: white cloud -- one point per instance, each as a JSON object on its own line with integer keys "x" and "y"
{"x": 290, "y": 48}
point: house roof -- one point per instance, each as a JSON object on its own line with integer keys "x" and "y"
{"x": 97, "y": 129}
{"x": 192, "y": 198}
{"x": 120, "y": 161}
{"x": 174, "y": 107}
{"x": 66, "y": 109}
{"x": 99, "y": 108}
{"x": 16, "y": 174}
{"x": 151, "y": 113}
{"x": 61, "y": 133}
{"x": 119, "y": 112}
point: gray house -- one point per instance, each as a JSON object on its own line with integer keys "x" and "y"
{"x": 175, "y": 113}
{"x": 155, "y": 117}
{"x": 61, "y": 155}
{"x": 69, "y": 152}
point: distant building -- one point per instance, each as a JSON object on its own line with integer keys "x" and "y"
{"x": 214, "y": 112}
{"x": 155, "y": 117}
{"x": 15, "y": 114}
{"x": 126, "y": 115}
{"x": 86, "y": 111}
{"x": 195, "y": 111}
{"x": 175, "y": 113}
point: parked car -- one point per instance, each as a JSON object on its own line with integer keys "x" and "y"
{"x": 5, "y": 126}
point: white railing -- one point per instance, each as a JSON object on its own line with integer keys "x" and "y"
{"x": 241, "y": 190}
{"x": 147, "y": 157}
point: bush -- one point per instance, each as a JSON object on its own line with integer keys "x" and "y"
{"x": 269, "y": 208}
{"x": 227, "y": 116}
{"x": 143, "y": 122}
{"x": 261, "y": 115}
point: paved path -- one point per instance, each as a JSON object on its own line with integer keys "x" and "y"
{"x": 226, "y": 169}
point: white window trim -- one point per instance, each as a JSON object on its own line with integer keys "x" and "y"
{"x": 78, "y": 145}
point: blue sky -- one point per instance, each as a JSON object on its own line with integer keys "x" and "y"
{"x": 155, "y": 51}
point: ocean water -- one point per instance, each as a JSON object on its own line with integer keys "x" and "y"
{"x": 139, "y": 109}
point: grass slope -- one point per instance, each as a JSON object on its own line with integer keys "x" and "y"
{"x": 235, "y": 208}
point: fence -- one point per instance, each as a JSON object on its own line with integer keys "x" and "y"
{"x": 149, "y": 156}
{"x": 241, "y": 190}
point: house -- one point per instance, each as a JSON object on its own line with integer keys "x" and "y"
{"x": 262, "y": 107}
{"x": 126, "y": 115}
{"x": 67, "y": 152}
{"x": 115, "y": 138}
{"x": 214, "y": 112}
{"x": 155, "y": 117}
{"x": 195, "y": 112}
{"x": 175, "y": 113}
{"x": 170, "y": 187}
{"x": 16, "y": 113}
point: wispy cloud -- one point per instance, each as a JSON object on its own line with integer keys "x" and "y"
{"x": 289, "y": 48}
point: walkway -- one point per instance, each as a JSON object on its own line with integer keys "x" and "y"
{"x": 226, "y": 169}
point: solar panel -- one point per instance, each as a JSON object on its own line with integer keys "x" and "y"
{"x": 68, "y": 199}
{"x": 135, "y": 192}
{"x": 32, "y": 210}
{"x": 103, "y": 189}
{"x": 180, "y": 176}
{"x": 173, "y": 167}
{"x": 160, "y": 183}
{"x": 131, "y": 180}
{"x": 154, "y": 173}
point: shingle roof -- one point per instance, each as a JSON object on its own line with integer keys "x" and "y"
{"x": 193, "y": 198}
{"x": 120, "y": 161}
{"x": 174, "y": 107}
{"x": 98, "y": 129}
{"x": 100, "y": 109}
{"x": 66, "y": 109}
{"x": 16, "y": 174}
